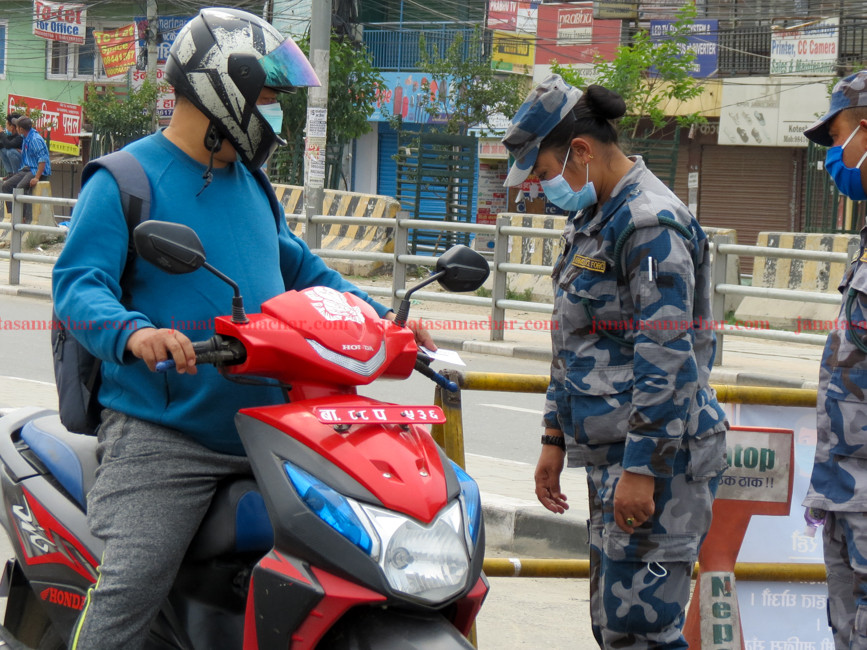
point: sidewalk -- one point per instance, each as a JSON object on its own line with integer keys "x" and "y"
{"x": 515, "y": 522}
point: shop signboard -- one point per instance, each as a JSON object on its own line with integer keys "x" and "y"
{"x": 703, "y": 41}
{"x": 165, "y": 91}
{"x": 570, "y": 34}
{"x": 167, "y": 30}
{"x": 513, "y": 52}
{"x": 60, "y": 21}
{"x": 808, "y": 48}
{"x": 58, "y": 122}
{"x": 770, "y": 112}
{"x": 117, "y": 49}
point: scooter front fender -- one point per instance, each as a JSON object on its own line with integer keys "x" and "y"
{"x": 387, "y": 629}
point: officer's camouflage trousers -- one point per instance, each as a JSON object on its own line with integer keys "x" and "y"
{"x": 640, "y": 583}
{"x": 845, "y": 539}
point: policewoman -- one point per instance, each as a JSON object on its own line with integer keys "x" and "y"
{"x": 838, "y": 485}
{"x": 629, "y": 376}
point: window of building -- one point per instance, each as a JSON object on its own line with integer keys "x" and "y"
{"x": 74, "y": 61}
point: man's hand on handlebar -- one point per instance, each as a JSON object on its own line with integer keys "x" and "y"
{"x": 153, "y": 345}
{"x": 422, "y": 336}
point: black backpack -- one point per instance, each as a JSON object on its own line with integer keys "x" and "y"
{"x": 77, "y": 372}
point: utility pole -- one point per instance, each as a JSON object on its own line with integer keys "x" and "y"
{"x": 317, "y": 119}
{"x": 152, "y": 55}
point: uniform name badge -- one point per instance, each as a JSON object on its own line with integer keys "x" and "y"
{"x": 863, "y": 257}
{"x": 589, "y": 263}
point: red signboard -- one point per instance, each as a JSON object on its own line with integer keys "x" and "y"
{"x": 503, "y": 15}
{"x": 58, "y": 122}
{"x": 570, "y": 34}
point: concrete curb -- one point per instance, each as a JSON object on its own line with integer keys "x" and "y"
{"x": 532, "y": 533}
{"x": 25, "y": 292}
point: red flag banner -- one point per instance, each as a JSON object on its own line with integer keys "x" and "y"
{"x": 117, "y": 48}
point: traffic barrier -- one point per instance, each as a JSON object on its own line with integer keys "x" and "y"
{"x": 450, "y": 436}
{"x": 802, "y": 275}
{"x": 342, "y": 237}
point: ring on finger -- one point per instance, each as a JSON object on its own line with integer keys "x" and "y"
{"x": 629, "y": 521}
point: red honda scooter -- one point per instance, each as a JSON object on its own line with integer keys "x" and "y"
{"x": 358, "y": 531}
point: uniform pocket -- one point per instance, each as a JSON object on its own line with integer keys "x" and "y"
{"x": 665, "y": 306}
{"x": 707, "y": 456}
{"x": 619, "y": 546}
{"x": 847, "y": 411}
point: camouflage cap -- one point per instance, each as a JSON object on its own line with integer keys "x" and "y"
{"x": 848, "y": 93}
{"x": 543, "y": 109}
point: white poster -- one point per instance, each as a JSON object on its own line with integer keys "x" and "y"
{"x": 809, "y": 48}
{"x": 60, "y": 21}
{"x": 770, "y": 112}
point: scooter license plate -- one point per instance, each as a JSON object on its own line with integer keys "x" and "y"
{"x": 391, "y": 414}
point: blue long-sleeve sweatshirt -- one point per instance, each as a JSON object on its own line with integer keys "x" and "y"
{"x": 236, "y": 225}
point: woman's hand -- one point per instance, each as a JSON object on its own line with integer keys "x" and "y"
{"x": 633, "y": 500}
{"x": 547, "y": 477}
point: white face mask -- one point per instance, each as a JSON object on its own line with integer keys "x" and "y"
{"x": 273, "y": 114}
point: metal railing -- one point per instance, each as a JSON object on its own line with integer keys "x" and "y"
{"x": 723, "y": 254}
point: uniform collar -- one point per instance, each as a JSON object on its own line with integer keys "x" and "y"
{"x": 625, "y": 190}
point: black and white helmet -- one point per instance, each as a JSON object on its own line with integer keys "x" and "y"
{"x": 221, "y": 60}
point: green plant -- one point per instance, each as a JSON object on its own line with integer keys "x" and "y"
{"x": 118, "y": 118}
{"x": 649, "y": 75}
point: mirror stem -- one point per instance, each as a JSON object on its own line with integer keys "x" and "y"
{"x": 403, "y": 310}
{"x": 238, "y": 313}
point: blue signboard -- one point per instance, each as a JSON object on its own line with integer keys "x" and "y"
{"x": 167, "y": 29}
{"x": 703, "y": 41}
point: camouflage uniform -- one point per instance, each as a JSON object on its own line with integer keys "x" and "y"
{"x": 839, "y": 480}
{"x": 647, "y": 408}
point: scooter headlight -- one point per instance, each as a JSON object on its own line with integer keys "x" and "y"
{"x": 428, "y": 562}
{"x": 331, "y": 507}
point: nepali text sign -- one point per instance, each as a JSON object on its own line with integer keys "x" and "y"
{"x": 806, "y": 49}
{"x": 167, "y": 30}
{"x": 165, "y": 91}
{"x": 570, "y": 34}
{"x": 759, "y": 465}
{"x": 117, "y": 48}
{"x": 702, "y": 41}
{"x": 59, "y": 122}
{"x": 60, "y": 21}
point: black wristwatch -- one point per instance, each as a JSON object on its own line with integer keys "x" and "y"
{"x": 557, "y": 441}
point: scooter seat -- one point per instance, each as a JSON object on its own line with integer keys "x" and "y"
{"x": 70, "y": 457}
{"x": 236, "y": 522}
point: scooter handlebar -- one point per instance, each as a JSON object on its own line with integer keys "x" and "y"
{"x": 422, "y": 365}
{"x": 217, "y": 350}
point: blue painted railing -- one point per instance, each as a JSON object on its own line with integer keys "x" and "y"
{"x": 395, "y": 46}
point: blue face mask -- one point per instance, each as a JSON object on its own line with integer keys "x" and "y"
{"x": 560, "y": 193}
{"x": 273, "y": 114}
{"x": 847, "y": 179}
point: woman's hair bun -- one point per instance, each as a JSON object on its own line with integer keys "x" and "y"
{"x": 604, "y": 103}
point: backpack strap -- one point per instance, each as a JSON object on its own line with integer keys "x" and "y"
{"x": 274, "y": 202}
{"x": 135, "y": 192}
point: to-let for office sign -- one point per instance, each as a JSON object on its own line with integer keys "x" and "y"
{"x": 60, "y": 21}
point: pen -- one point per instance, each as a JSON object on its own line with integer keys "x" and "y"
{"x": 650, "y": 265}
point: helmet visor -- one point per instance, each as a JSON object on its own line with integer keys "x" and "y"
{"x": 286, "y": 67}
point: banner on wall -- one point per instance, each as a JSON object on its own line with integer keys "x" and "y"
{"x": 117, "y": 49}
{"x": 403, "y": 93}
{"x": 60, "y": 21}
{"x": 167, "y": 30}
{"x": 58, "y": 122}
{"x": 810, "y": 48}
{"x": 702, "y": 41}
{"x": 770, "y": 111}
{"x": 570, "y": 34}
{"x": 513, "y": 52}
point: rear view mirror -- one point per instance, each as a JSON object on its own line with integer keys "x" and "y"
{"x": 172, "y": 247}
{"x": 462, "y": 268}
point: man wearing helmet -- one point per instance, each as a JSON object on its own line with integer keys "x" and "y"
{"x": 166, "y": 439}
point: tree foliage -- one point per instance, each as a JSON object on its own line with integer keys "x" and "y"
{"x": 469, "y": 93}
{"x": 650, "y": 75}
{"x": 351, "y": 93}
{"x": 120, "y": 118}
